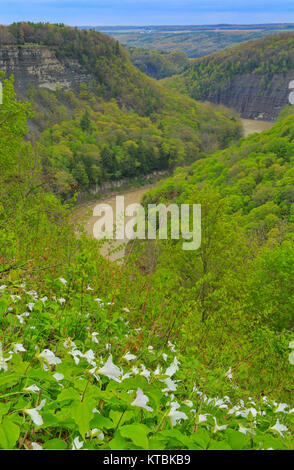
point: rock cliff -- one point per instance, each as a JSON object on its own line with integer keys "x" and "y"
{"x": 255, "y": 97}
{"x": 39, "y": 66}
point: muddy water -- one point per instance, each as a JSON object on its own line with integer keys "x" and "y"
{"x": 252, "y": 125}
{"x": 85, "y": 214}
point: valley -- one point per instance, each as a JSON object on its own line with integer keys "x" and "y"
{"x": 162, "y": 349}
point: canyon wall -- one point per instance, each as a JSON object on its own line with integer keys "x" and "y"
{"x": 255, "y": 96}
{"x": 39, "y": 66}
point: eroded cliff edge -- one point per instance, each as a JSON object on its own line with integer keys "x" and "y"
{"x": 39, "y": 66}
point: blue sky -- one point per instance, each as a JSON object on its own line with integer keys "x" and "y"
{"x": 144, "y": 12}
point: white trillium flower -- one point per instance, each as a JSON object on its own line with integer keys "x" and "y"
{"x": 94, "y": 337}
{"x": 141, "y": 401}
{"x": 77, "y": 444}
{"x": 18, "y": 348}
{"x": 176, "y": 415}
{"x": 229, "y": 374}
{"x": 90, "y": 356}
{"x": 172, "y": 347}
{"x": 171, "y": 385}
{"x": 129, "y": 357}
{"x": 280, "y": 428}
{"x": 173, "y": 368}
{"x": 110, "y": 370}
{"x": 33, "y": 388}
{"x": 291, "y": 357}
{"x": 145, "y": 372}
{"x": 36, "y": 446}
{"x": 49, "y": 357}
{"x": 96, "y": 433}
{"x": 217, "y": 427}
{"x": 58, "y": 376}
{"x": 281, "y": 408}
{"x": 35, "y": 415}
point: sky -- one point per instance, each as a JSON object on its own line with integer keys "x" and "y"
{"x": 147, "y": 12}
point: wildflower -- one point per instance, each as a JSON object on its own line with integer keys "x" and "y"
{"x": 281, "y": 408}
{"x": 164, "y": 356}
{"x": 69, "y": 344}
{"x": 90, "y": 356}
{"x": 171, "y": 385}
{"x": 217, "y": 427}
{"x": 172, "y": 347}
{"x": 76, "y": 353}
{"x": 229, "y": 374}
{"x": 36, "y": 446}
{"x": 173, "y": 368}
{"x": 18, "y": 348}
{"x": 77, "y": 444}
{"x": 32, "y": 388}
{"x": 129, "y": 357}
{"x": 141, "y": 401}
{"x": 175, "y": 415}
{"x": 96, "y": 433}
{"x": 94, "y": 337}
{"x": 58, "y": 376}
{"x": 110, "y": 370}
{"x": 126, "y": 310}
{"x": 280, "y": 428}
{"x": 21, "y": 317}
{"x": 145, "y": 372}
{"x": 64, "y": 281}
{"x": 3, "y": 287}
{"x": 35, "y": 415}
{"x": 31, "y": 306}
{"x": 49, "y": 357}
{"x": 61, "y": 301}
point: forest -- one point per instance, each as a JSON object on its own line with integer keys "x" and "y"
{"x": 267, "y": 56}
{"x": 170, "y": 349}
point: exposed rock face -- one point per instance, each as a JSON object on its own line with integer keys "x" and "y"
{"x": 39, "y": 66}
{"x": 255, "y": 97}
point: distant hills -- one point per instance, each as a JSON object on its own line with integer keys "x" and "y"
{"x": 254, "y": 78}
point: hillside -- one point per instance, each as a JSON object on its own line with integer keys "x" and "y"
{"x": 98, "y": 118}
{"x": 158, "y": 64}
{"x": 253, "y": 78}
{"x": 195, "y": 352}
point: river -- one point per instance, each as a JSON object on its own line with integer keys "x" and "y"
{"x": 250, "y": 126}
{"x": 133, "y": 196}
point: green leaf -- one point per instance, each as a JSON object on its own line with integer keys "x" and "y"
{"x": 120, "y": 417}
{"x": 100, "y": 421}
{"x": 55, "y": 444}
{"x": 219, "y": 445}
{"x": 137, "y": 433}
{"x": 9, "y": 434}
{"x": 82, "y": 413}
{"x": 118, "y": 443}
{"x": 237, "y": 440}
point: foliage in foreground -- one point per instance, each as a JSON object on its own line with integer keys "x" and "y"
{"x": 75, "y": 374}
